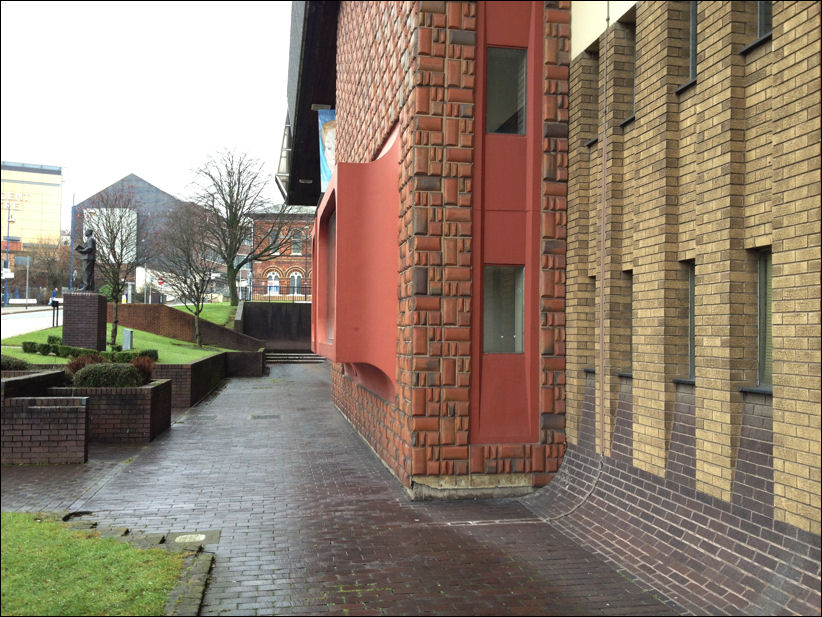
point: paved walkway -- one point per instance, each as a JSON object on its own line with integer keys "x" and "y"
{"x": 308, "y": 521}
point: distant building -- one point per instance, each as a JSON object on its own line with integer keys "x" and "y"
{"x": 287, "y": 275}
{"x": 32, "y": 195}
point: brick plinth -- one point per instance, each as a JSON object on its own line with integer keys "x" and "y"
{"x": 84, "y": 320}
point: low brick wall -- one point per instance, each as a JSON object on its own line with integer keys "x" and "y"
{"x": 245, "y": 363}
{"x": 172, "y": 323}
{"x": 125, "y": 415}
{"x": 41, "y": 430}
{"x": 192, "y": 382}
{"x": 29, "y": 383}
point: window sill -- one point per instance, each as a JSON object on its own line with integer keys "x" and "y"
{"x": 757, "y": 43}
{"x": 685, "y": 86}
{"x": 685, "y": 382}
{"x": 627, "y": 121}
{"x": 591, "y": 142}
{"x": 766, "y": 390}
{"x": 588, "y": 370}
{"x": 625, "y": 374}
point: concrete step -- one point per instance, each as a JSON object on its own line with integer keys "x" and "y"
{"x": 292, "y": 357}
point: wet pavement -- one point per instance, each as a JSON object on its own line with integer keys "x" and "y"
{"x": 305, "y": 519}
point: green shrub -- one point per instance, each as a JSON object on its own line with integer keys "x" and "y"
{"x": 79, "y": 363}
{"x": 150, "y": 353}
{"x": 43, "y": 349}
{"x": 10, "y": 363}
{"x": 125, "y": 356}
{"x": 54, "y": 340}
{"x": 80, "y": 351}
{"x": 116, "y": 347}
{"x": 29, "y": 347}
{"x": 144, "y": 366}
{"x": 107, "y": 375}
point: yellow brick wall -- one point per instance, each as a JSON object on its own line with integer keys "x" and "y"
{"x": 711, "y": 173}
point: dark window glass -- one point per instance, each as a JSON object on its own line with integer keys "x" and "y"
{"x": 503, "y": 303}
{"x": 691, "y": 320}
{"x": 765, "y": 21}
{"x": 692, "y": 41}
{"x": 765, "y": 323}
{"x": 506, "y": 91}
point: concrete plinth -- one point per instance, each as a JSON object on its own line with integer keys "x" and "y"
{"x": 84, "y": 320}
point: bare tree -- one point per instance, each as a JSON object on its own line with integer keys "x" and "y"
{"x": 231, "y": 188}
{"x": 113, "y": 218}
{"x": 49, "y": 263}
{"x": 188, "y": 259}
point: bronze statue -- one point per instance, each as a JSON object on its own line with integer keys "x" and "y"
{"x": 89, "y": 256}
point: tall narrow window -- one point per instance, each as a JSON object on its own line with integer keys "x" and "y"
{"x": 505, "y": 91}
{"x": 692, "y": 42}
{"x": 765, "y": 324}
{"x": 691, "y": 320}
{"x": 630, "y": 319}
{"x": 297, "y": 243}
{"x": 765, "y": 18}
{"x": 503, "y": 303}
{"x": 273, "y": 284}
{"x": 296, "y": 283}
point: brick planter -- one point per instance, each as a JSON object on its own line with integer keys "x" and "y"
{"x": 40, "y": 430}
{"x": 125, "y": 415}
{"x": 192, "y": 382}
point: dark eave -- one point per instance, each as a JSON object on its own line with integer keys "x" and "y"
{"x": 312, "y": 80}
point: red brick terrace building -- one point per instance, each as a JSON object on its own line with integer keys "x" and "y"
{"x": 439, "y": 246}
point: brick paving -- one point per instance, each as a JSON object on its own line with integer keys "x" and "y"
{"x": 311, "y": 522}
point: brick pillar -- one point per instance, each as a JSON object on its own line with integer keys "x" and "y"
{"x": 796, "y": 265}
{"x": 84, "y": 320}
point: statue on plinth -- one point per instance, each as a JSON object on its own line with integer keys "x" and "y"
{"x": 89, "y": 256}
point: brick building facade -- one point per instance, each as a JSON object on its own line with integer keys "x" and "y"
{"x": 288, "y": 273}
{"x": 660, "y": 196}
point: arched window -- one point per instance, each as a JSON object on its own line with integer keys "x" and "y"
{"x": 296, "y": 283}
{"x": 296, "y": 243}
{"x": 273, "y": 284}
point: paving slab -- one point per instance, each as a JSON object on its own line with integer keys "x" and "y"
{"x": 302, "y": 517}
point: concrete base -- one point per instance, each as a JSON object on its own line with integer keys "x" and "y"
{"x": 474, "y": 486}
{"x": 84, "y": 320}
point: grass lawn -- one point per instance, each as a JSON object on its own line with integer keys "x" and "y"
{"x": 220, "y": 313}
{"x": 171, "y": 351}
{"x": 50, "y": 570}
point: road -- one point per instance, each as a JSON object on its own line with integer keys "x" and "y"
{"x": 22, "y": 322}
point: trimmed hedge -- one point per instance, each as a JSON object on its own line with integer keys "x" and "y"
{"x": 150, "y": 353}
{"x": 54, "y": 340}
{"x": 67, "y": 351}
{"x": 107, "y": 376}
{"x": 10, "y": 363}
{"x": 29, "y": 347}
{"x": 43, "y": 349}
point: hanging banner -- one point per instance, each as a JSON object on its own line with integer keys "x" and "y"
{"x": 328, "y": 145}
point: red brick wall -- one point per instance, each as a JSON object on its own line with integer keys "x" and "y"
{"x": 419, "y": 72}
{"x": 44, "y": 430}
{"x": 191, "y": 382}
{"x": 173, "y": 323}
{"x": 125, "y": 415}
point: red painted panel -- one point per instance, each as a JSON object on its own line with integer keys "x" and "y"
{"x": 504, "y": 238}
{"x": 503, "y": 400}
{"x": 365, "y": 200}
{"x": 508, "y": 23}
{"x": 504, "y": 166}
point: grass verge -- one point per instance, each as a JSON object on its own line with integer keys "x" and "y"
{"x": 171, "y": 351}
{"x": 220, "y": 313}
{"x": 50, "y": 570}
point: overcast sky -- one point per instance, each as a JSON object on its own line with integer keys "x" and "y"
{"x": 105, "y": 89}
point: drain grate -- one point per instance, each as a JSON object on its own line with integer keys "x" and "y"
{"x": 267, "y": 416}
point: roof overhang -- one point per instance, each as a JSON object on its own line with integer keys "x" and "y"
{"x": 312, "y": 82}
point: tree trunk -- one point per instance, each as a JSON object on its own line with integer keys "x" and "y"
{"x": 231, "y": 276}
{"x": 114, "y": 323}
{"x": 197, "y": 336}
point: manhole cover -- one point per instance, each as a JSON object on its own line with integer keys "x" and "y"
{"x": 190, "y": 537}
{"x": 270, "y": 416}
